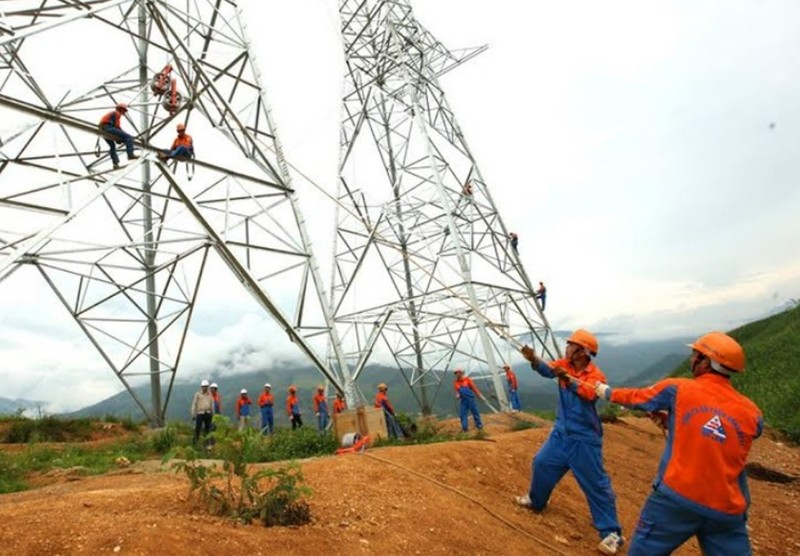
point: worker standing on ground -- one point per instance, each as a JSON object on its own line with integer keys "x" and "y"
{"x": 382, "y": 401}
{"x": 111, "y": 125}
{"x": 182, "y": 146}
{"x": 467, "y": 395}
{"x": 576, "y": 441}
{"x": 293, "y": 408}
{"x": 541, "y": 294}
{"x": 701, "y": 486}
{"x": 321, "y": 409}
{"x": 217, "y": 398}
{"x": 266, "y": 402}
{"x": 202, "y": 411}
{"x": 339, "y": 404}
{"x": 513, "y": 387}
{"x": 243, "y": 409}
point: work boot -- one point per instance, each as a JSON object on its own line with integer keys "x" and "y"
{"x": 116, "y": 166}
{"x": 133, "y": 156}
{"x": 524, "y": 501}
{"x": 611, "y": 544}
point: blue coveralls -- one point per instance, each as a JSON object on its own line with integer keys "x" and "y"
{"x": 112, "y": 134}
{"x": 576, "y": 444}
{"x": 468, "y": 404}
{"x": 267, "y": 419}
{"x": 513, "y": 396}
{"x": 322, "y": 418}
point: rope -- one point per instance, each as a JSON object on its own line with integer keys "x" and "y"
{"x": 488, "y": 510}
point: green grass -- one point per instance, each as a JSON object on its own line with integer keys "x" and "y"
{"x": 771, "y": 378}
{"x": 46, "y": 429}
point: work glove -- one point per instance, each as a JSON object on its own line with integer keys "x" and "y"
{"x": 603, "y": 391}
{"x": 529, "y": 354}
{"x": 317, "y": 413}
{"x": 561, "y": 373}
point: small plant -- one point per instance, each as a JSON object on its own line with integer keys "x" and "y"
{"x": 273, "y": 496}
{"x": 522, "y": 424}
{"x": 610, "y": 413}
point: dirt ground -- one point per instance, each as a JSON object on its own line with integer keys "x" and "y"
{"x": 452, "y": 498}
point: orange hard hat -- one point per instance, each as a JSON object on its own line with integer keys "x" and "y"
{"x": 122, "y": 106}
{"x": 585, "y": 339}
{"x": 320, "y": 387}
{"x": 382, "y": 386}
{"x": 721, "y": 348}
{"x": 292, "y": 388}
{"x": 181, "y": 127}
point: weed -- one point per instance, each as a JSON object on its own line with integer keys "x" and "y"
{"x": 522, "y": 424}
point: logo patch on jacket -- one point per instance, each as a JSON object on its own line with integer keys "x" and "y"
{"x": 714, "y": 429}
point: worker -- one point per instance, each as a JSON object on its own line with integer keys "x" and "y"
{"x": 467, "y": 394}
{"x": 467, "y": 189}
{"x": 111, "y": 125}
{"x": 217, "y": 398}
{"x": 514, "y": 241}
{"x": 382, "y": 401}
{"x": 321, "y": 408}
{"x": 339, "y": 404}
{"x": 243, "y": 409}
{"x": 266, "y": 401}
{"x": 513, "y": 388}
{"x": 576, "y": 441}
{"x": 293, "y": 408}
{"x": 541, "y": 294}
{"x": 182, "y": 146}
{"x": 701, "y": 487}
{"x": 202, "y": 411}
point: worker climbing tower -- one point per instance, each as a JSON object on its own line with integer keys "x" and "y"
{"x": 125, "y": 250}
{"x": 424, "y": 273}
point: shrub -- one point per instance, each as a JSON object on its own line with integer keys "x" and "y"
{"x": 273, "y": 496}
{"x": 47, "y": 429}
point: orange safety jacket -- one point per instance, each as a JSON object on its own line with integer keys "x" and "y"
{"x": 464, "y": 385}
{"x": 292, "y": 405}
{"x": 320, "y": 401}
{"x": 266, "y": 399}
{"x": 382, "y": 400}
{"x": 711, "y": 427}
{"x": 240, "y": 403}
{"x": 184, "y": 140}
{"x": 512, "y": 379}
{"x": 339, "y": 405}
{"x": 112, "y": 118}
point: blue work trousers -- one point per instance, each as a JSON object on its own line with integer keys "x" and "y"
{"x": 180, "y": 152}
{"x": 322, "y": 420}
{"x": 665, "y": 524}
{"x": 513, "y": 398}
{"x": 560, "y": 454}
{"x": 111, "y": 135}
{"x": 392, "y": 426}
{"x": 267, "y": 420}
{"x": 467, "y": 405}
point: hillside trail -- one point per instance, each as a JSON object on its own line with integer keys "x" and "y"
{"x": 448, "y": 498}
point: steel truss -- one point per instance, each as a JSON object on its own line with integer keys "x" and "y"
{"x": 424, "y": 274}
{"x": 125, "y": 250}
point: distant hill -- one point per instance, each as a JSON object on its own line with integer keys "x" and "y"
{"x": 771, "y": 377}
{"x": 11, "y": 407}
{"x": 630, "y": 364}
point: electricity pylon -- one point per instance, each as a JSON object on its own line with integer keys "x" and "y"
{"x": 125, "y": 249}
{"x": 424, "y": 273}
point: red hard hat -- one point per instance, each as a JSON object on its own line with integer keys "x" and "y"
{"x": 122, "y": 106}
{"x": 585, "y": 339}
{"x": 721, "y": 348}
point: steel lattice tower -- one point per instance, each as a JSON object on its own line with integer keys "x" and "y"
{"x": 125, "y": 250}
{"x": 423, "y": 268}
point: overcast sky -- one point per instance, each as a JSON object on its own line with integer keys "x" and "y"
{"x": 647, "y": 154}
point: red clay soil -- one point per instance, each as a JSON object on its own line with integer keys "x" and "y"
{"x": 457, "y": 500}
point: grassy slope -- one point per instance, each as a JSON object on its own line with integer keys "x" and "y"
{"x": 772, "y": 375}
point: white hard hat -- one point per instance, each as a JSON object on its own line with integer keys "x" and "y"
{"x": 268, "y": 385}
{"x": 214, "y": 385}
{"x": 244, "y": 391}
{"x": 204, "y": 383}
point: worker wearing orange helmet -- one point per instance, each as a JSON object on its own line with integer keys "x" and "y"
{"x": 182, "y": 146}
{"x": 513, "y": 388}
{"x": 111, "y": 125}
{"x": 382, "y": 401}
{"x": 576, "y": 441}
{"x": 701, "y": 487}
{"x": 321, "y": 409}
{"x": 293, "y": 408}
{"x": 467, "y": 395}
